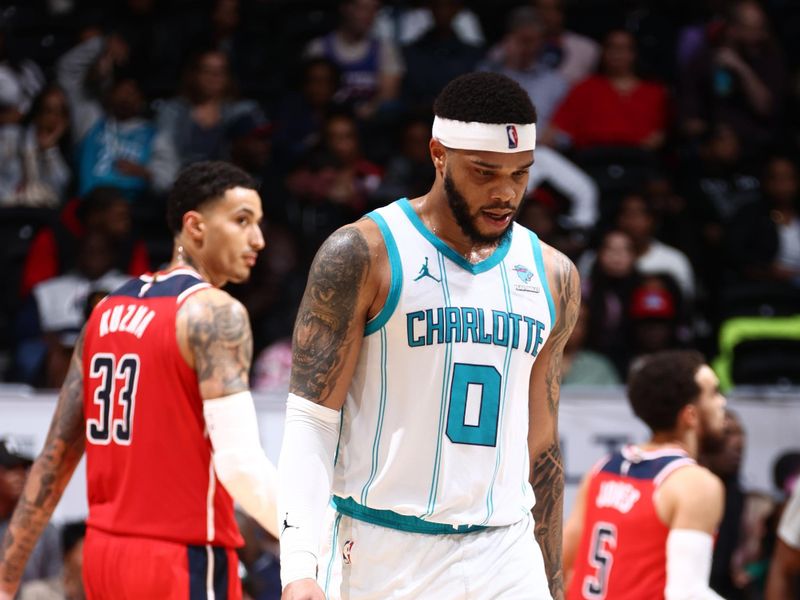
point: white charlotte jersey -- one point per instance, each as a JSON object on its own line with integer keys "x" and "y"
{"x": 434, "y": 430}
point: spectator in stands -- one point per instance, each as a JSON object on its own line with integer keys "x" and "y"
{"x": 300, "y": 117}
{"x": 573, "y": 55}
{"x": 580, "y": 366}
{"x": 678, "y": 225}
{"x": 53, "y": 250}
{"x": 68, "y": 585}
{"x": 569, "y": 180}
{"x": 409, "y": 172}
{"x": 637, "y": 219}
{"x": 45, "y": 560}
{"x": 59, "y": 309}
{"x": 371, "y": 68}
{"x": 33, "y": 167}
{"x": 197, "y": 122}
{"x": 251, "y": 144}
{"x": 335, "y": 183}
{"x": 763, "y": 238}
{"x": 520, "y": 55}
{"x": 786, "y": 472}
{"x": 654, "y": 317}
{"x": 407, "y": 23}
{"x": 438, "y": 56}
{"x": 720, "y": 182}
{"x": 705, "y": 28}
{"x": 741, "y": 81}
{"x": 359, "y": 178}
{"x": 608, "y": 291}
{"x": 21, "y": 79}
{"x": 716, "y": 187}
{"x": 156, "y": 37}
{"x": 614, "y": 107}
{"x": 116, "y": 145}
{"x": 544, "y": 213}
{"x": 723, "y": 457}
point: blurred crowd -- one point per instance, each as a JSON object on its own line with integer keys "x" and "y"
{"x": 666, "y": 168}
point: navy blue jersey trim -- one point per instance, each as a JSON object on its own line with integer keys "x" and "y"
{"x": 645, "y": 469}
{"x": 167, "y": 288}
{"x": 198, "y": 566}
{"x": 198, "y": 572}
{"x": 220, "y": 573}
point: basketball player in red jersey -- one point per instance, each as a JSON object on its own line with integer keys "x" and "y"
{"x": 157, "y": 395}
{"x": 645, "y": 517}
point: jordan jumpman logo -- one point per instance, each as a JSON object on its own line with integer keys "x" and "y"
{"x": 423, "y": 272}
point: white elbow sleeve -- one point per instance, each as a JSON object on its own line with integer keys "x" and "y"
{"x": 305, "y": 475}
{"x": 239, "y": 461}
{"x": 689, "y": 554}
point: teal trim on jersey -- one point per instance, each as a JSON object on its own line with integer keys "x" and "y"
{"x": 334, "y": 552}
{"x": 476, "y": 269}
{"x": 376, "y": 444}
{"x": 504, "y": 395}
{"x": 537, "y": 257}
{"x": 393, "y": 520}
{"x": 339, "y": 439}
{"x": 396, "y": 269}
{"x": 448, "y": 356}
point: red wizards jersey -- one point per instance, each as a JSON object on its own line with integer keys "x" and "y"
{"x": 623, "y": 549}
{"x": 148, "y": 458}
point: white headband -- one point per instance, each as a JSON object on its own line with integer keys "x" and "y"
{"x": 491, "y": 137}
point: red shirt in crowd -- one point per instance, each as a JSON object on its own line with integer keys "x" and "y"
{"x": 595, "y": 113}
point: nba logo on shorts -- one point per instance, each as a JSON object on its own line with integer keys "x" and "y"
{"x": 346, "y": 549}
{"x": 511, "y": 132}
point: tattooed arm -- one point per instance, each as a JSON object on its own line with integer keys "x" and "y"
{"x": 215, "y": 338}
{"x": 340, "y": 293}
{"x": 547, "y": 470}
{"x": 214, "y": 334}
{"x": 330, "y": 322}
{"x": 48, "y": 477}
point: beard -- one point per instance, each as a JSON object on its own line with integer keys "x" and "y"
{"x": 465, "y": 220}
{"x": 710, "y": 440}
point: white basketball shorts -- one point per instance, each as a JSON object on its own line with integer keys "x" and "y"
{"x": 362, "y": 561}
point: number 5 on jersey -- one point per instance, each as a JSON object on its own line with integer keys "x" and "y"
{"x": 601, "y": 557}
{"x": 109, "y": 371}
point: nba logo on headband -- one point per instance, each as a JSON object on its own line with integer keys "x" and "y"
{"x": 487, "y": 137}
{"x": 513, "y": 140}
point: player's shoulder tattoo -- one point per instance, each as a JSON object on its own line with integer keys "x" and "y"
{"x": 221, "y": 341}
{"x": 327, "y": 311}
{"x": 566, "y": 295}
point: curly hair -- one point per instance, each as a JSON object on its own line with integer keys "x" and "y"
{"x": 484, "y": 97}
{"x": 201, "y": 183}
{"x": 661, "y": 384}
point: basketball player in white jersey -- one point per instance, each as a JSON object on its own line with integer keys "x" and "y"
{"x": 424, "y": 393}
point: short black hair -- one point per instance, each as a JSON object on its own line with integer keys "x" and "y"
{"x": 786, "y": 467}
{"x": 661, "y": 384}
{"x": 485, "y": 97}
{"x": 99, "y": 199}
{"x": 72, "y": 532}
{"x": 201, "y": 183}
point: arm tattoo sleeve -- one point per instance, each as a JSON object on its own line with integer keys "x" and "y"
{"x": 548, "y": 470}
{"x": 49, "y": 476}
{"x": 548, "y": 485}
{"x": 320, "y": 344}
{"x": 221, "y": 340}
